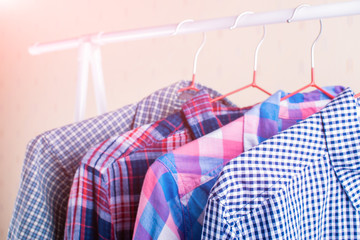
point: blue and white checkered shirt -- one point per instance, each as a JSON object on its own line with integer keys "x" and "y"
{"x": 303, "y": 183}
{"x": 53, "y": 157}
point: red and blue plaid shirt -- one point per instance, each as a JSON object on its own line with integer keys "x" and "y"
{"x": 106, "y": 189}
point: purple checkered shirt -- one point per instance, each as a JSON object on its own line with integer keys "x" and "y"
{"x": 177, "y": 185}
{"x": 106, "y": 188}
{"x": 52, "y": 158}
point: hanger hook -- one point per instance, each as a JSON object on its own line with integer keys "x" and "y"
{"x": 239, "y": 17}
{"x": 179, "y": 26}
{"x": 258, "y": 47}
{"x": 197, "y": 52}
{"x": 313, "y": 45}
{"x": 296, "y": 10}
{"x": 315, "y": 41}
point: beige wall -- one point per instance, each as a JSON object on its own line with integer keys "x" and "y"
{"x": 37, "y": 93}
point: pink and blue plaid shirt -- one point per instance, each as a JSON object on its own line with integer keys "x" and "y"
{"x": 177, "y": 185}
{"x": 106, "y": 189}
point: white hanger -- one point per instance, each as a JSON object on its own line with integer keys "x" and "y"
{"x": 192, "y": 85}
{"x": 312, "y": 83}
{"x": 253, "y": 84}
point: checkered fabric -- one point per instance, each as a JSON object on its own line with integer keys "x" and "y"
{"x": 303, "y": 183}
{"x": 106, "y": 188}
{"x": 53, "y": 157}
{"x": 177, "y": 185}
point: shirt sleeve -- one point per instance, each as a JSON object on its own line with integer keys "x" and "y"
{"x": 216, "y": 224}
{"x": 88, "y": 214}
{"x": 159, "y": 214}
{"x": 40, "y": 206}
{"x": 212, "y": 226}
{"x": 31, "y": 202}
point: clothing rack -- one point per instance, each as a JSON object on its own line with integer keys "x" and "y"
{"x": 89, "y": 54}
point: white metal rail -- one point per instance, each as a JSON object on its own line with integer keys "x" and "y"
{"x": 89, "y": 45}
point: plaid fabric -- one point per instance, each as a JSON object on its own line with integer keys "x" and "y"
{"x": 177, "y": 185}
{"x": 53, "y": 157}
{"x": 304, "y": 183}
{"x": 106, "y": 188}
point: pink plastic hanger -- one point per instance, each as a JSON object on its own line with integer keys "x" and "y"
{"x": 192, "y": 85}
{"x": 253, "y": 84}
{"x": 312, "y": 83}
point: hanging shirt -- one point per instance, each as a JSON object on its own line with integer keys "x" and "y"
{"x": 52, "y": 158}
{"x": 177, "y": 185}
{"x": 106, "y": 188}
{"x": 303, "y": 183}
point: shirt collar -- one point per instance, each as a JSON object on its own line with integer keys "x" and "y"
{"x": 200, "y": 115}
{"x": 263, "y": 120}
{"x": 167, "y": 101}
{"x": 342, "y": 132}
